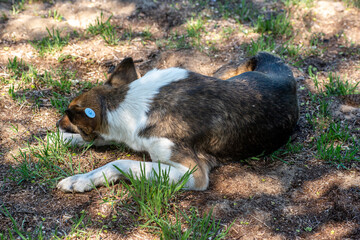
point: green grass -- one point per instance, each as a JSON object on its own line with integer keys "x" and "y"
{"x": 307, "y": 3}
{"x": 155, "y": 202}
{"x": 337, "y": 87}
{"x": 191, "y": 226}
{"x": 52, "y": 43}
{"x": 46, "y": 161}
{"x": 26, "y": 84}
{"x": 105, "y": 29}
{"x": 17, "y": 231}
{"x": 99, "y": 26}
{"x": 336, "y": 145}
{"x": 174, "y": 41}
{"x": 18, "y": 6}
{"x": 352, "y": 3}
{"x": 153, "y": 195}
{"x": 334, "y": 141}
{"x": 55, "y": 15}
{"x": 278, "y": 25}
{"x": 195, "y": 28}
{"x": 263, "y": 43}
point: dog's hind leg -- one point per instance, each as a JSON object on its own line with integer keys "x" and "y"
{"x": 85, "y": 182}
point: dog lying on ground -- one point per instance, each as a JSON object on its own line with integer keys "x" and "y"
{"x": 183, "y": 119}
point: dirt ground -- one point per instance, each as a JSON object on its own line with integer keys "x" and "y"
{"x": 301, "y": 197}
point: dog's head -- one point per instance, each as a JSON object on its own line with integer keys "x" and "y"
{"x": 85, "y": 115}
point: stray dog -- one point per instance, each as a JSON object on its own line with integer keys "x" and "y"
{"x": 183, "y": 119}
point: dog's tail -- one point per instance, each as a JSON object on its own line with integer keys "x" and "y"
{"x": 264, "y": 62}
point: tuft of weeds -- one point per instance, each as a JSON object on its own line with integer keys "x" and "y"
{"x": 337, "y": 87}
{"x": 18, "y": 6}
{"x": 291, "y": 50}
{"x": 55, "y": 15}
{"x": 352, "y": 3}
{"x": 174, "y": 41}
{"x": 194, "y": 29}
{"x": 278, "y": 25}
{"x": 146, "y": 34}
{"x": 195, "y": 227}
{"x": 16, "y": 67}
{"x": 18, "y": 231}
{"x": 153, "y": 197}
{"x": 289, "y": 148}
{"x": 105, "y": 29}
{"x": 27, "y": 84}
{"x": 336, "y": 145}
{"x": 263, "y": 43}
{"x": 99, "y": 26}
{"x": 110, "y": 35}
{"x": 47, "y": 161}
{"x": 307, "y": 3}
{"x": 54, "y": 42}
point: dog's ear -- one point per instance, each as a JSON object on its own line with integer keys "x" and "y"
{"x": 124, "y": 73}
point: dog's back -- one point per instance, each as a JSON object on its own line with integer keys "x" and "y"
{"x": 246, "y": 115}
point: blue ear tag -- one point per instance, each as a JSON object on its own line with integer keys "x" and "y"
{"x": 89, "y": 112}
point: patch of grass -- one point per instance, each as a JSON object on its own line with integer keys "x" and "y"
{"x": 289, "y": 148}
{"x": 153, "y": 195}
{"x": 174, "y": 41}
{"x": 337, "y": 87}
{"x": 290, "y": 49}
{"x": 27, "y": 84}
{"x": 47, "y": 161}
{"x": 336, "y": 145}
{"x": 307, "y": 3}
{"x": 146, "y": 34}
{"x": 240, "y": 10}
{"x": 59, "y": 102}
{"x": 110, "y": 35}
{"x": 153, "y": 199}
{"x": 226, "y": 32}
{"x": 263, "y": 43}
{"x": 54, "y": 42}
{"x": 18, "y": 6}
{"x": 278, "y": 25}
{"x": 16, "y": 67}
{"x": 194, "y": 29}
{"x": 99, "y": 26}
{"x": 352, "y": 3}
{"x": 55, "y": 15}
{"x": 18, "y": 232}
{"x": 105, "y": 29}
{"x": 191, "y": 226}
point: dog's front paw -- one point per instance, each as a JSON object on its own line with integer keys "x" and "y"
{"x": 76, "y": 183}
{"x": 73, "y": 138}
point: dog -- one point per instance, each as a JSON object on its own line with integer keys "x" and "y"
{"x": 183, "y": 119}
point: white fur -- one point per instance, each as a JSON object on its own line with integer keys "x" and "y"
{"x": 124, "y": 124}
{"x": 131, "y": 115}
{"x": 85, "y": 182}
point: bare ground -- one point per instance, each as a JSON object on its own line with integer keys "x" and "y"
{"x": 304, "y": 198}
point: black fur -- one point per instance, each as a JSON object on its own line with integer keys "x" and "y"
{"x": 247, "y": 115}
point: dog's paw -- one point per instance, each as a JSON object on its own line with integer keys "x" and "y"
{"x": 73, "y": 138}
{"x": 76, "y": 183}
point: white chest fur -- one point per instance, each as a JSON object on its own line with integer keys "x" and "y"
{"x": 130, "y": 116}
